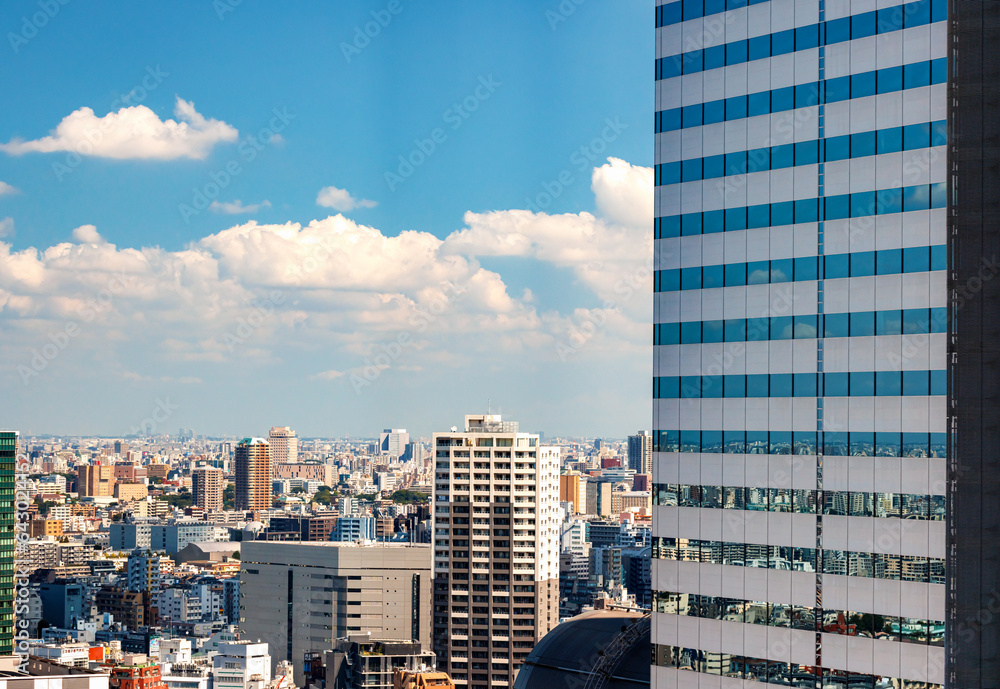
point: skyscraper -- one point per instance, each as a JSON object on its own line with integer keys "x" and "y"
{"x": 800, "y": 321}
{"x": 393, "y": 442}
{"x": 284, "y": 445}
{"x": 207, "y": 485}
{"x": 496, "y": 549}
{"x": 640, "y": 452}
{"x": 253, "y": 475}
{"x": 8, "y": 463}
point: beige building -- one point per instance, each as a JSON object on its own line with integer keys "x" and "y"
{"x": 130, "y": 492}
{"x": 95, "y": 480}
{"x": 207, "y": 485}
{"x": 253, "y": 475}
{"x": 622, "y": 500}
{"x": 39, "y": 528}
{"x": 573, "y": 488}
{"x": 284, "y": 445}
{"x": 332, "y": 590}
{"x": 309, "y": 471}
{"x": 496, "y": 549}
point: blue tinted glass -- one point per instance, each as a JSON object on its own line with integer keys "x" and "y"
{"x": 835, "y": 384}
{"x": 760, "y": 47}
{"x": 714, "y": 7}
{"x": 916, "y": 383}
{"x": 782, "y": 156}
{"x": 693, "y": 9}
{"x": 736, "y": 219}
{"x": 782, "y": 213}
{"x": 862, "y": 25}
{"x": 917, "y": 13}
{"x": 714, "y": 166}
{"x": 758, "y": 329}
{"x": 736, "y": 52}
{"x": 711, "y": 441}
{"x": 862, "y": 444}
{"x": 758, "y": 216}
{"x": 715, "y": 111}
{"x": 862, "y": 384}
{"x": 890, "y": 79}
{"x": 759, "y": 103}
{"x": 805, "y": 327}
{"x": 807, "y": 37}
{"x": 691, "y": 332}
{"x": 670, "y": 333}
{"x": 863, "y": 144}
{"x": 939, "y": 320}
{"x": 916, "y": 198}
{"x": 805, "y": 268}
{"x": 711, "y": 276}
{"x": 690, "y": 387}
{"x": 736, "y": 274}
{"x": 691, "y": 278}
{"x": 670, "y": 14}
{"x": 862, "y": 204}
{"x": 670, "y": 226}
{"x": 838, "y": 89}
{"x": 939, "y": 195}
{"x": 939, "y": 382}
{"x": 939, "y": 71}
{"x": 670, "y": 120}
{"x": 836, "y": 325}
{"x": 939, "y": 133}
{"x": 691, "y": 170}
{"x": 916, "y": 259}
{"x": 735, "y": 442}
{"x": 807, "y": 210}
{"x": 736, "y": 330}
{"x": 888, "y": 323}
{"x": 838, "y": 30}
{"x": 939, "y": 10}
{"x": 693, "y": 61}
{"x": 715, "y": 57}
{"x": 807, "y": 152}
{"x": 783, "y": 42}
{"x": 862, "y": 323}
{"x": 916, "y": 321}
{"x": 758, "y": 160}
{"x": 862, "y": 264}
{"x": 691, "y": 116}
{"x": 914, "y": 444}
{"x": 713, "y": 221}
{"x": 690, "y": 224}
{"x": 711, "y": 331}
{"x": 781, "y": 270}
{"x": 736, "y": 163}
{"x": 757, "y": 385}
{"x": 939, "y": 257}
{"x": 863, "y": 84}
{"x": 711, "y": 386}
{"x": 916, "y": 75}
{"x": 758, "y": 272}
{"x": 805, "y": 385}
{"x": 671, "y": 280}
{"x": 806, "y": 95}
{"x": 889, "y": 262}
{"x": 781, "y": 386}
{"x": 835, "y": 443}
{"x": 837, "y": 207}
{"x": 736, "y": 386}
{"x": 888, "y": 201}
{"x": 781, "y": 328}
{"x": 888, "y": 383}
{"x": 887, "y": 444}
{"x": 736, "y": 107}
{"x": 838, "y": 147}
{"x": 889, "y": 19}
{"x": 690, "y": 440}
{"x": 670, "y": 67}
{"x": 836, "y": 266}
{"x": 669, "y": 441}
{"x": 670, "y": 387}
{"x": 889, "y": 140}
{"x": 916, "y": 136}
{"x": 783, "y": 99}
{"x": 670, "y": 173}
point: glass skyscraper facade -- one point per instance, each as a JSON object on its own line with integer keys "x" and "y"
{"x": 801, "y": 332}
{"x": 8, "y": 460}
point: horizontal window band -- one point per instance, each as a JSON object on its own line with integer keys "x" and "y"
{"x": 885, "y": 80}
{"x": 677, "y": 12}
{"x": 917, "y": 259}
{"x": 861, "y": 145}
{"x": 830, "y": 443}
{"x": 805, "y": 327}
{"x": 852, "y": 384}
{"x": 802, "y": 501}
{"x": 876, "y": 22}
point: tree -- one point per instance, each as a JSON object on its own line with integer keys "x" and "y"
{"x": 236, "y": 555}
{"x": 408, "y": 497}
{"x": 228, "y": 496}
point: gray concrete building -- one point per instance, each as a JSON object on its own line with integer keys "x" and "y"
{"x": 301, "y": 597}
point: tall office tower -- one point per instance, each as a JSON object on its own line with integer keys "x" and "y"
{"x": 801, "y": 343}
{"x": 8, "y": 463}
{"x": 207, "y": 484}
{"x": 95, "y": 480}
{"x": 496, "y": 549}
{"x": 253, "y": 475}
{"x": 573, "y": 488}
{"x": 302, "y": 597}
{"x": 393, "y": 442}
{"x": 640, "y": 452}
{"x": 284, "y": 445}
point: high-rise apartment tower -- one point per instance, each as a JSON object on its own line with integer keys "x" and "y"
{"x": 253, "y": 475}
{"x": 207, "y": 485}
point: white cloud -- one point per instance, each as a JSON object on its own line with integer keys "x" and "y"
{"x": 341, "y": 200}
{"x": 135, "y": 132}
{"x": 237, "y": 207}
{"x": 87, "y": 234}
{"x": 332, "y": 374}
{"x": 6, "y": 189}
{"x": 624, "y": 192}
{"x": 6, "y": 227}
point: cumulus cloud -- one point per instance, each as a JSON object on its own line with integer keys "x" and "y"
{"x": 6, "y": 227}
{"x": 132, "y": 133}
{"x": 87, "y": 234}
{"x": 6, "y": 189}
{"x": 237, "y": 207}
{"x": 332, "y": 374}
{"x": 341, "y": 200}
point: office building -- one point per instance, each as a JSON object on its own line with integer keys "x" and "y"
{"x": 360, "y": 661}
{"x": 316, "y": 528}
{"x": 300, "y": 597}
{"x": 352, "y": 529}
{"x": 207, "y": 485}
{"x": 599, "y": 498}
{"x": 284, "y": 445}
{"x": 573, "y": 489}
{"x": 800, "y": 328}
{"x": 8, "y": 459}
{"x": 253, "y": 475}
{"x": 393, "y": 442}
{"x": 640, "y": 452}
{"x": 496, "y": 549}
{"x": 144, "y": 569}
{"x": 238, "y": 661}
{"x": 310, "y": 471}
{"x": 95, "y": 480}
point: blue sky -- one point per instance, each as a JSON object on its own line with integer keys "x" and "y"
{"x": 497, "y": 106}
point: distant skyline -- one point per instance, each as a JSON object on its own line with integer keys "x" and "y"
{"x": 333, "y": 217}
